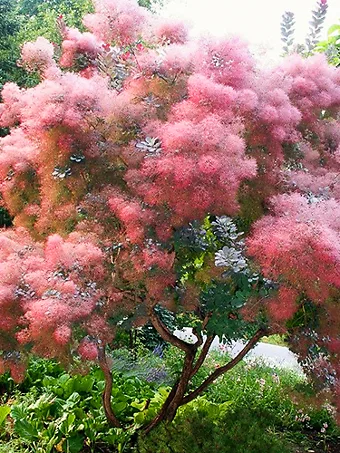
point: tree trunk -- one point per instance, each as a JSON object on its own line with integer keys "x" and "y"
{"x": 110, "y": 415}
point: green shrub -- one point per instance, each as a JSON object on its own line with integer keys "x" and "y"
{"x": 63, "y": 412}
{"x": 248, "y": 410}
{"x": 204, "y": 427}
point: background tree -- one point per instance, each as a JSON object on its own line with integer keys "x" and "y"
{"x": 149, "y": 171}
{"x": 9, "y": 51}
{"x": 25, "y": 20}
{"x": 313, "y": 37}
{"x": 331, "y": 46}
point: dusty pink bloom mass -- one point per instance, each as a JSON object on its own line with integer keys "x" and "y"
{"x": 142, "y": 132}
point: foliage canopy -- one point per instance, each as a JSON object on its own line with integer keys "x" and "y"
{"x": 148, "y": 170}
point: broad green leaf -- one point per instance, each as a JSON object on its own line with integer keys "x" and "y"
{"x": 4, "y": 411}
{"x": 17, "y": 412}
{"x": 139, "y": 418}
{"x": 67, "y": 425}
{"x": 137, "y": 405}
{"x": 333, "y": 28}
{"x": 26, "y": 430}
{"x": 74, "y": 444}
{"x": 119, "y": 407}
{"x": 84, "y": 384}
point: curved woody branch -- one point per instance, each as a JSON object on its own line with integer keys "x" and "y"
{"x": 223, "y": 369}
{"x": 165, "y": 333}
{"x": 111, "y": 417}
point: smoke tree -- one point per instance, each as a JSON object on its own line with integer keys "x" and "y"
{"x": 149, "y": 170}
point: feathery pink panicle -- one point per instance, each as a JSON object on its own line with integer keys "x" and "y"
{"x": 284, "y": 305}
{"x": 74, "y": 251}
{"x": 170, "y": 31}
{"x": 76, "y": 43}
{"x": 210, "y": 134}
{"x": 321, "y": 182}
{"x": 116, "y": 20}
{"x": 205, "y": 160}
{"x": 157, "y": 285}
{"x": 45, "y": 316}
{"x": 17, "y": 370}
{"x": 134, "y": 218}
{"x": 11, "y": 104}
{"x": 37, "y": 279}
{"x": 226, "y": 61}
{"x": 276, "y": 111}
{"x": 38, "y": 55}
{"x": 174, "y": 60}
{"x": 300, "y": 244}
{"x": 62, "y": 335}
{"x": 17, "y": 152}
{"x": 157, "y": 258}
{"x": 97, "y": 326}
{"x": 314, "y": 85}
{"x": 209, "y": 164}
{"x": 247, "y": 100}
{"x": 177, "y": 59}
{"x": 204, "y": 91}
{"x": 49, "y": 312}
{"x": 88, "y": 350}
{"x": 334, "y": 345}
{"x": 123, "y": 106}
{"x": 64, "y": 102}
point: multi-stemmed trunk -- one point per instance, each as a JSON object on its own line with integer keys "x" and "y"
{"x": 193, "y": 361}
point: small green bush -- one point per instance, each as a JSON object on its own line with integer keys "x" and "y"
{"x": 204, "y": 427}
{"x": 248, "y": 410}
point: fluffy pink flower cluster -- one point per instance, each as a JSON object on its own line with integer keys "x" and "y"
{"x": 314, "y": 85}
{"x": 116, "y": 20}
{"x": 38, "y": 55}
{"x": 170, "y": 31}
{"x": 63, "y": 102}
{"x": 155, "y": 132}
{"x": 133, "y": 216}
{"x": 199, "y": 171}
{"x": 300, "y": 244}
{"x": 76, "y": 43}
{"x": 49, "y": 289}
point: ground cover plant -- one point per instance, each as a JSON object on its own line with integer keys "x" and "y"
{"x": 254, "y": 408}
{"x": 146, "y": 170}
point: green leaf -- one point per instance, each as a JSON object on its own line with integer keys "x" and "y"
{"x": 119, "y": 407}
{"x": 333, "y": 28}
{"x": 63, "y": 379}
{"x": 139, "y": 418}
{"x": 137, "y": 405}
{"x": 17, "y": 412}
{"x": 4, "y": 411}
{"x": 26, "y": 430}
{"x": 67, "y": 425}
{"x": 74, "y": 444}
{"x": 51, "y": 443}
{"x": 84, "y": 385}
{"x": 73, "y": 399}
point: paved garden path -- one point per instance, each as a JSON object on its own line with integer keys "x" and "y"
{"x": 276, "y": 356}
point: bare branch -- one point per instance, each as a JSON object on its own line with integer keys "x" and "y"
{"x": 203, "y": 355}
{"x": 223, "y": 369}
{"x": 199, "y": 337}
{"x": 165, "y": 333}
{"x": 198, "y": 334}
